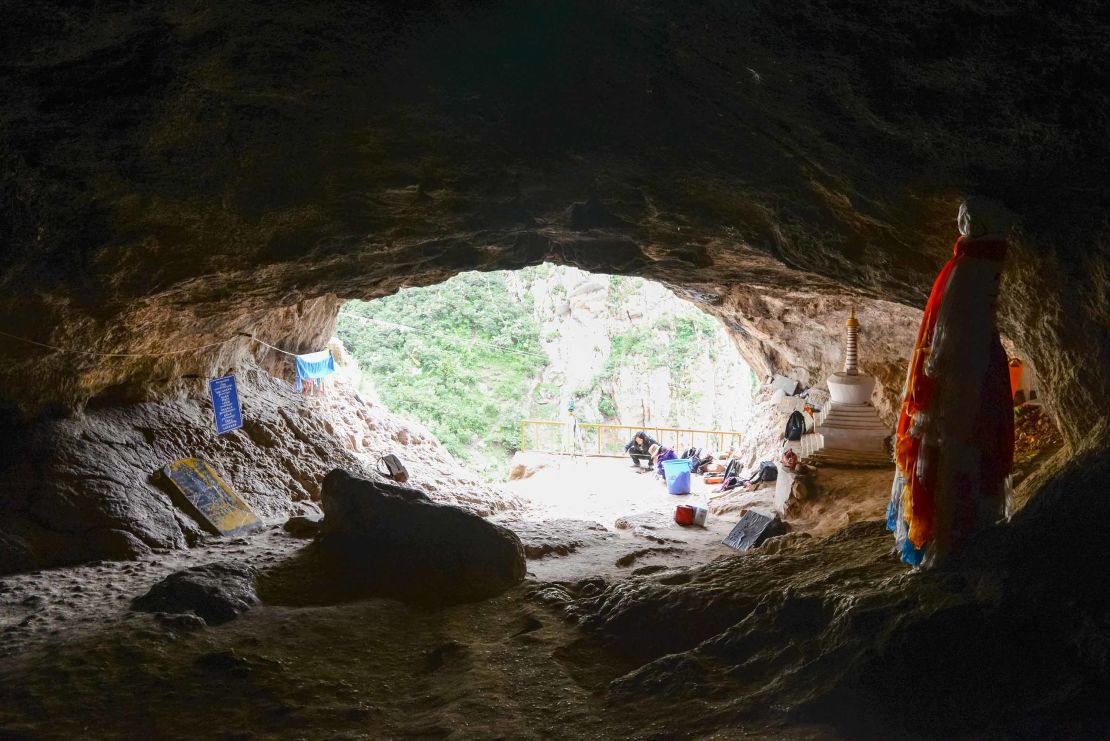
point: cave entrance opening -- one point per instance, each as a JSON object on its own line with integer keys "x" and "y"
{"x": 580, "y": 361}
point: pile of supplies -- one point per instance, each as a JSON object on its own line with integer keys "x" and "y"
{"x": 733, "y": 477}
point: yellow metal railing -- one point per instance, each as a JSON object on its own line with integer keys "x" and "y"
{"x": 590, "y": 438}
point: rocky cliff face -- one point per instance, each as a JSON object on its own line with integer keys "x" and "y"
{"x": 612, "y": 346}
{"x": 801, "y": 334}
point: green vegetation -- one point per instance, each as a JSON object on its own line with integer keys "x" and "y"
{"x": 466, "y": 358}
{"x": 606, "y": 406}
{"x": 621, "y": 288}
{"x": 667, "y": 341}
{"x": 464, "y": 371}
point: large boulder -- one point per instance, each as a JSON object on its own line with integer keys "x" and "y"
{"x": 398, "y": 542}
{"x": 526, "y": 464}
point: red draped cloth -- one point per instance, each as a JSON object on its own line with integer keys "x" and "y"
{"x": 996, "y": 423}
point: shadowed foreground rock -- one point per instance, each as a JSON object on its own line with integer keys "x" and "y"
{"x": 302, "y": 527}
{"x": 216, "y": 592}
{"x": 1009, "y": 640}
{"x": 395, "y": 541}
{"x": 82, "y": 489}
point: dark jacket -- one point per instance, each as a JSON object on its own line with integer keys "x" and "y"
{"x": 632, "y": 447}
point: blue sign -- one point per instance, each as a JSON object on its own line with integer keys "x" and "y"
{"x": 225, "y": 403}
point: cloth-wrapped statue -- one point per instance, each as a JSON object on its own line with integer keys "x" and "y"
{"x": 955, "y": 436}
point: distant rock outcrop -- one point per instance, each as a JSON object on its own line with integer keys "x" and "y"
{"x": 607, "y": 340}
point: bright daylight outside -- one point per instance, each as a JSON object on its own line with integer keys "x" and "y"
{"x": 541, "y": 379}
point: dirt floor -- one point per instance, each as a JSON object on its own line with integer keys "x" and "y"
{"x": 76, "y": 662}
{"x": 634, "y": 508}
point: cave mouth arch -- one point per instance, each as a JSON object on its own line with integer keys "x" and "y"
{"x": 215, "y": 185}
{"x": 483, "y": 352}
{"x": 182, "y": 177}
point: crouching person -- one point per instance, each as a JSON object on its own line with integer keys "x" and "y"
{"x": 639, "y": 449}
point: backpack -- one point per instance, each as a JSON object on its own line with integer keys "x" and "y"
{"x": 768, "y": 471}
{"x": 394, "y": 469}
{"x": 795, "y": 426}
{"x": 732, "y": 470}
{"x": 701, "y": 464}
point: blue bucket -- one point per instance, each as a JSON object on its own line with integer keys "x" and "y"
{"x": 677, "y": 472}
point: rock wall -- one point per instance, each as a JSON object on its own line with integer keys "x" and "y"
{"x": 173, "y": 176}
{"x": 83, "y": 488}
{"x": 801, "y": 335}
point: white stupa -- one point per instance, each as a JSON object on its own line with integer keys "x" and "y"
{"x": 852, "y": 433}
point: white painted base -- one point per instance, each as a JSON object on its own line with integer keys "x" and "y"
{"x": 846, "y": 389}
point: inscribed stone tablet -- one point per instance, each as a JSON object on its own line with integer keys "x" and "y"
{"x": 209, "y": 499}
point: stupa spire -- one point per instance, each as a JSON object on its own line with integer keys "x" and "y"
{"x": 851, "y": 432}
{"x": 851, "y": 346}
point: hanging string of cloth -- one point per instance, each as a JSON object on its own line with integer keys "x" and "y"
{"x": 312, "y": 367}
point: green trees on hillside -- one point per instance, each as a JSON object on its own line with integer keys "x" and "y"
{"x": 669, "y": 341}
{"x": 466, "y": 369}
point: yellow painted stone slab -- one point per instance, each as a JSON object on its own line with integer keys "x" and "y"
{"x": 213, "y": 502}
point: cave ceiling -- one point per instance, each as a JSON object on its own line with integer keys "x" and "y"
{"x": 175, "y": 174}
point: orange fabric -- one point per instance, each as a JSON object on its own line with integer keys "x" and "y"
{"x": 1015, "y": 377}
{"x": 918, "y": 500}
{"x": 918, "y": 504}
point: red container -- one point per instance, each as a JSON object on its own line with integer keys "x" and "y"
{"x": 684, "y": 514}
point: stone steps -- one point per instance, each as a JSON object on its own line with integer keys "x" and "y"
{"x": 854, "y": 424}
{"x": 849, "y": 458}
{"x": 840, "y": 415}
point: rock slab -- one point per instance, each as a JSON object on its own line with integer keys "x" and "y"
{"x": 754, "y": 528}
{"x": 399, "y": 543}
{"x": 208, "y": 497}
{"x": 215, "y": 592}
{"x": 302, "y": 527}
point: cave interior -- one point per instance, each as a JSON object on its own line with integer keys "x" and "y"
{"x": 182, "y": 181}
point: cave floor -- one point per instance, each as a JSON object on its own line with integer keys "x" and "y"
{"x": 570, "y": 499}
{"x": 76, "y": 662}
